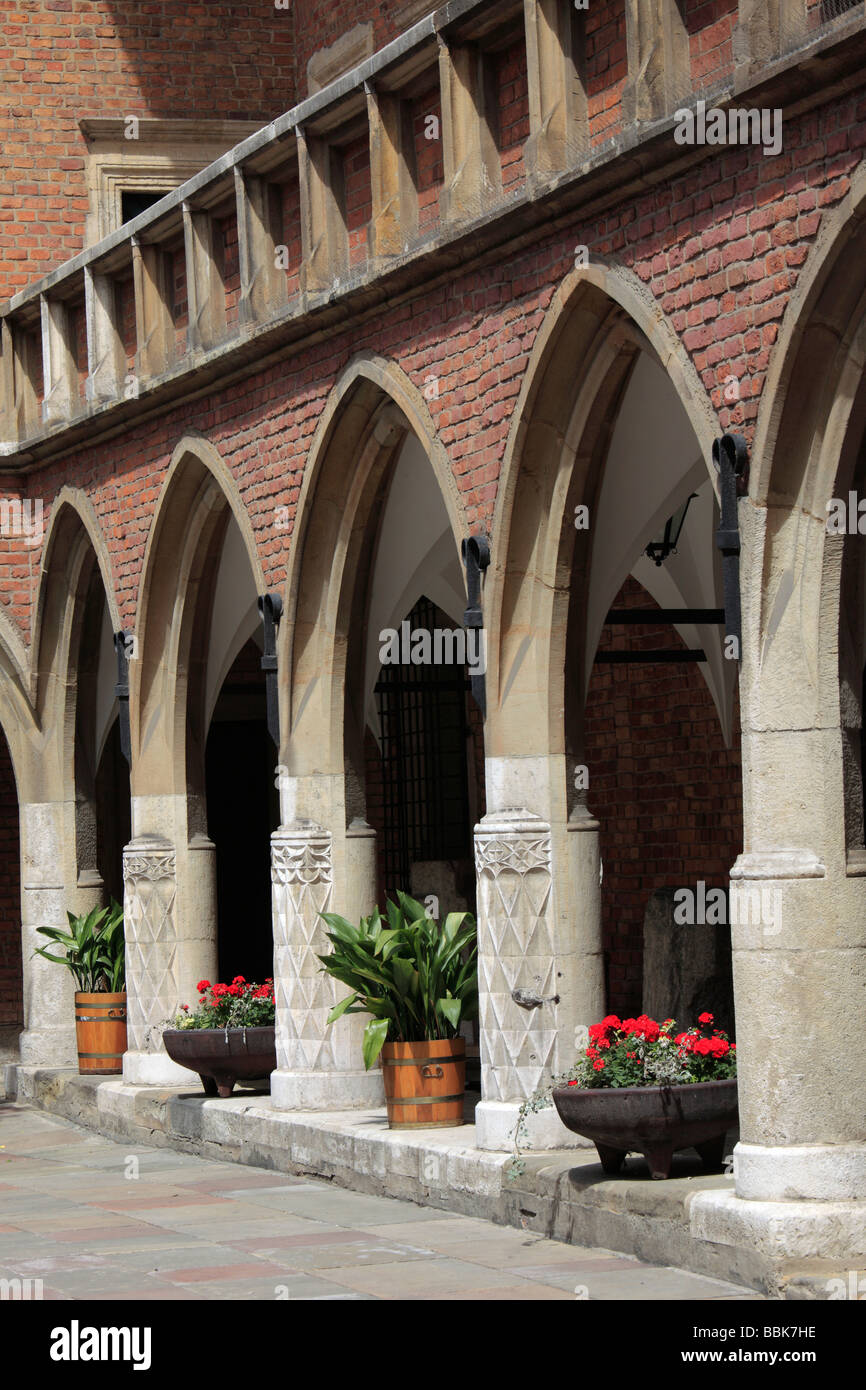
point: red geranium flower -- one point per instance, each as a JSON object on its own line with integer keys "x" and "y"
{"x": 705, "y": 1018}
{"x": 202, "y": 986}
{"x": 598, "y": 1066}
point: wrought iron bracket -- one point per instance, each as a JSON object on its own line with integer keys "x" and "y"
{"x": 476, "y": 557}
{"x": 122, "y": 643}
{"x": 271, "y": 609}
{"x": 731, "y": 460}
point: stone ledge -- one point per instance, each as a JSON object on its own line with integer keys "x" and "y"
{"x": 561, "y": 1194}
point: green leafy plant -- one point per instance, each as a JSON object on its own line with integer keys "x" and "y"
{"x": 419, "y": 980}
{"x": 94, "y": 949}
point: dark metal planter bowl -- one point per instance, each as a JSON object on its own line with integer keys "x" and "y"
{"x": 221, "y": 1057}
{"x": 653, "y": 1120}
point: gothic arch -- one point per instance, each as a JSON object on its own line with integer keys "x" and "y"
{"x": 369, "y": 414}
{"x": 197, "y": 499}
{"x": 599, "y": 322}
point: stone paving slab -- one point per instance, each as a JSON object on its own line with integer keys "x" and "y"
{"x": 201, "y": 1231}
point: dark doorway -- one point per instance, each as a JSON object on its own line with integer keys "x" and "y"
{"x": 243, "y": 809}
{"x": 113, "y": 814}
{"x": 427, "y": 750}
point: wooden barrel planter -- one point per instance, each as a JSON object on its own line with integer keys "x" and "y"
{"x": 100, "y": 1032}
{"x": 424, "y": 1083}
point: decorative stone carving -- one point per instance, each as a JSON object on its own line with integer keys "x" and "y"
{"x": 302, "y": 879}
{"x": 150, "y": 892}
{"x": 516, "y": 952}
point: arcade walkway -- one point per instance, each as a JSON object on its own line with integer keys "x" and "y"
{"x": 93, "y": 1219}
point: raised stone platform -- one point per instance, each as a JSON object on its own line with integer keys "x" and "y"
{"x": 561, "y": 1194}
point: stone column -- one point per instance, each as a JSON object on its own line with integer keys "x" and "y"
{"x": 324, "y": 235}
{"x": 472, "y": 173}
{"x": 169, "y": 913}
{"x": 558, "y": 111}
{"x": 263, "y": 286}
{"x": 659, "y": 60}
{"x": 394, "y": 215}
{"x": 533, "y": 951}
{"x": 59, "y": 375}
{"x": 799, "y": 944}
{"x": 205, "y": 292}
{"x": 106, "y": 359}
{"x": 584, "y": 912}
{"x": 318, "y": 1067}
{"x": 49, "y": 1010}
{"x": 153, "y": 323}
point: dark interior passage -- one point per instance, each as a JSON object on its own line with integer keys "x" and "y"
{"x": 243, "y": 810}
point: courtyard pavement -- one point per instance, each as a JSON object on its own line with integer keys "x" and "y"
{"x": 94, "y": 1219}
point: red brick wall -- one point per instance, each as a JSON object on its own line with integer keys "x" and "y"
{"x": 359, "y": 198}
{"x": 428, "y": 156}
{"x": 318, "y": 26}
{"x": 666, "y": 789}
{"x": 606, "y": 68}
{"x": 513, "y": 102}
{"x": 710, "y": 25}
{"x": 720, "y": 249}
{"x": 11, "y": 994}
{"x": 71, "y": 59}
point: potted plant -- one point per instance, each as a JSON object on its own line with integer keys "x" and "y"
{"x": 419, "y": 981}
{"x": 94, "y": 953}
{"x": 228, "y": 1037}
{"x": 642, "y": 1086}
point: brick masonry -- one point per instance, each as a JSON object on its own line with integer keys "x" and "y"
{"x": 720, "y": 249}
{"x": 664, "y": 785}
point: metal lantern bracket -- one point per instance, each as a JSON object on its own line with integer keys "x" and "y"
{"x": 122, "y": 642}
{"x": 476, "y": 557}
{"x": 731, "y": 460}
{"x": 271, "y": 609}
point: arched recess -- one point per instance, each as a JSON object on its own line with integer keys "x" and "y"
{"x": 71, "y": 862}
{"x": 324, "y": 855}
{"x": 613, "y": 431}
{"x": 809, "y": 450}
{"x": 800, "y": 971}
{"x": 200, "y": 582}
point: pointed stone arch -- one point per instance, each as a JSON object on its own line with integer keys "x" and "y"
{"x": 799, "y": 968}
{"x": 169, "y": 865}
{"x": 59, "y": 841}
{"x": 538, "y": 858}
{"x": 324, "y": 853}
{"x": 600, "y": 318}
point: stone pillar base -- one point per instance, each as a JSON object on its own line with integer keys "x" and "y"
{"x": 827, "y": 1231}
{"x": 156, "y": 1069}
{"x": 496, "y": 1125}
{"x": 803, "y": 1172}
{"x": 49, "y": 1047}
{"x": 334, "y": 1090}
